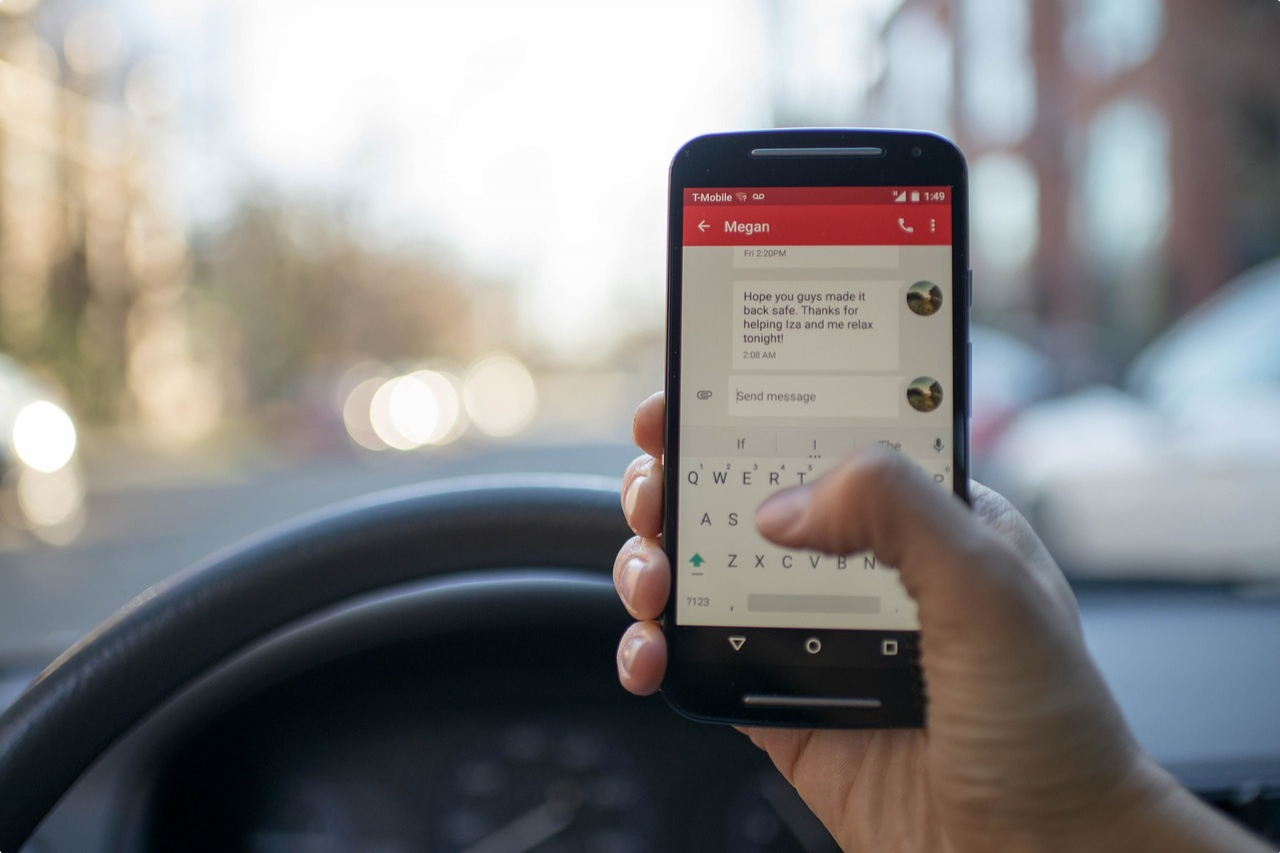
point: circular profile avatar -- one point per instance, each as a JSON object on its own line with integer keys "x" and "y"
{"x": 924, "y": 298}
{"x": 924, "y": 394}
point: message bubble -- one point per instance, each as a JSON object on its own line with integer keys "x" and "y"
{"x": 815, "y": 396}
{"x": 816, "y": 325}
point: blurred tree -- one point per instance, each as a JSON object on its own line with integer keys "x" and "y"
{"x": 303, "y": 293}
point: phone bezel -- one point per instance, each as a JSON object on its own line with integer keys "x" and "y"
{"x": 726, "y": 160}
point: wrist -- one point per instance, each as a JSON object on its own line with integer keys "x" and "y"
{"x": 1157, "y": 813}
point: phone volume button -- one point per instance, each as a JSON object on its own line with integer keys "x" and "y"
{"x": 968, "y": 397}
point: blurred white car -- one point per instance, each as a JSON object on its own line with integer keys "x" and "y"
{"x": 1179, "y": 474}
{"x": 1007, "y": 376}
{"x": 41, "y": 480}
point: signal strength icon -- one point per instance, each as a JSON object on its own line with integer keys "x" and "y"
{"x": 741, "y": 196}
{"x": 902, "y": 196}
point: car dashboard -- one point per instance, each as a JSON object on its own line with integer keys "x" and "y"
{"x": 396, "y": 753}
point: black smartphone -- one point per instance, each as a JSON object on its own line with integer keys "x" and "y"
{"x": 817, "y": 302}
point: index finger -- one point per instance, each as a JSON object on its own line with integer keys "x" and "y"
{"x": 646, "y": 429}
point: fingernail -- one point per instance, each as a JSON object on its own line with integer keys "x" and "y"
{"x": 781, "y": 511}
{"x": 629, "y": 578}
{"x": 632, "y": 495}
{"x": 627, "y": 656}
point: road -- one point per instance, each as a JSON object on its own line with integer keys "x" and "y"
{"x": 140, "y": 530}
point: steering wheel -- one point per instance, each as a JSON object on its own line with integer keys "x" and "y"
{"x": 184, "y": 627}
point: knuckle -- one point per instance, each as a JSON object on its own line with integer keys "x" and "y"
{"x": 629, "y": 549}
{"x": 639, "y": 467}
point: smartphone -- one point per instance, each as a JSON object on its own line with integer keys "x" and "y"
{"x": 817, "y": 302}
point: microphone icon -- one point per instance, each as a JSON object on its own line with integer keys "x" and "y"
{"x": 938, "y": 445}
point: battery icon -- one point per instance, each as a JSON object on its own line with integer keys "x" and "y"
{"x": 915, "y": 196}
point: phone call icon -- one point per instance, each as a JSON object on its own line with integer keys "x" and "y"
{"x": 902, "y": 223}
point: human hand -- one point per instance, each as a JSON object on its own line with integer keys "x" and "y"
{"x": 1024, "y": 747}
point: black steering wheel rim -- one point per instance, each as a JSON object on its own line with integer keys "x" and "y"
{"x": 182, "y": 627}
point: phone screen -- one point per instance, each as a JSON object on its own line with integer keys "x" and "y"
{"x": 814, "y": 321}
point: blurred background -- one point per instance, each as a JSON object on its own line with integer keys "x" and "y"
{"x": 257, "y": 255}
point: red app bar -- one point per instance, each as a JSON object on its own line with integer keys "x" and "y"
{"x": 795, "y": 224}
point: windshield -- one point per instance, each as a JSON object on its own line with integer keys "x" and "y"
{"x": 258, "y": 256}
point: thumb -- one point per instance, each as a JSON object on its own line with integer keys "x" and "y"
{"x": 950, "y": 563}
{"x": 1017, "y": 713}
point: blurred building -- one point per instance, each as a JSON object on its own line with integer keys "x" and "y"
{"x": 1125, "y": 156}
{"x": 154, "y": 322}
{"x": 94, "y": 268}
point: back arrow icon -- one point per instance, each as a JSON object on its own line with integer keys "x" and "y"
{"x": 737, "y": 643}
{"x": 703, "y": 226}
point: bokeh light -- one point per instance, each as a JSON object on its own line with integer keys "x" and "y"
{"x": 356, "y": 409}
{"x": 406, "y": 412}
{"x": 385, "y": 423}
{"x": 92, "y": 42}
{"x": 51, "y": 500}
{"x": 44, "y": 436}
{"x": 451, "y": 420}
{"x": 414, "y": 410}
{"x": 500, "y": 395}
